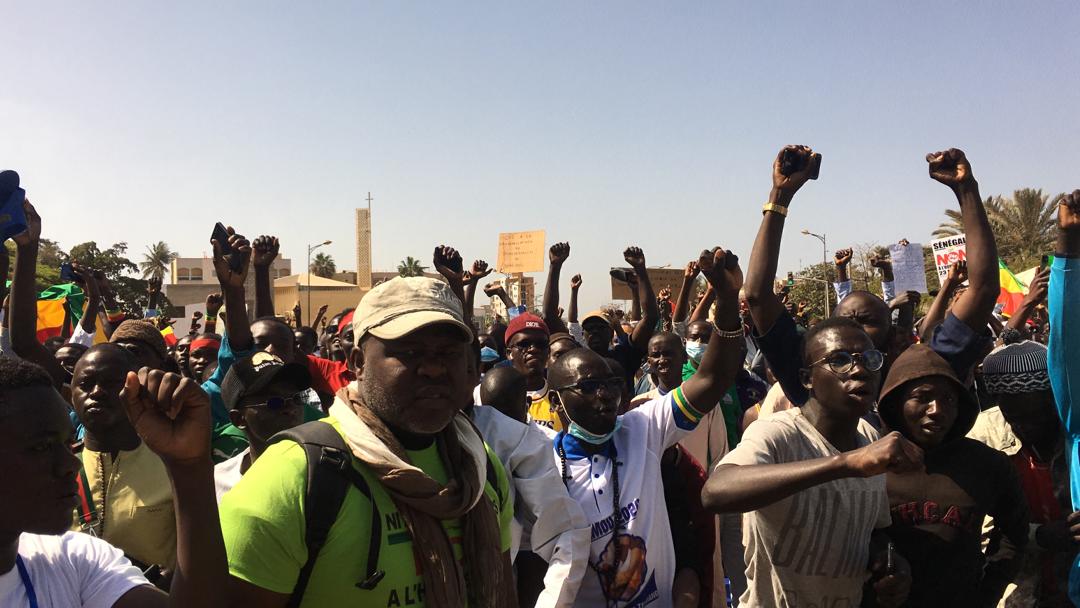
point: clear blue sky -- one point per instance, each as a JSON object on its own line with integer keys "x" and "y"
{"x": 604, "y": 123}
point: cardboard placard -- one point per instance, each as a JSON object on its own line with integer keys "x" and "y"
{"x": 907, "y": 266}
{"x": 948, "y": 251}
{"x": 659, "y": 277}
{"x": 521, "y": 252}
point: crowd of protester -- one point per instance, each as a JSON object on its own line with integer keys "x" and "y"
{"x": 708, "y": 448}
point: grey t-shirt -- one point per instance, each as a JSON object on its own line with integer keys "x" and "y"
{"x": 811, "y": 548}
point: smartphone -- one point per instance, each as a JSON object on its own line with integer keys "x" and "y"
{"x": 890, "y": 558}
{"x": 221, "y": 235}
{"x": 790, "y": 279}
{"x": 815, "y": 165}
{"x": 68, "y": 274}
{"x": 1044, "y": 262}
{"x": 12, "y": 197}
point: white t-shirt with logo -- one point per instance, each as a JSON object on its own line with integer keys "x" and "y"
{"x": 72, "y": 570}
{"x": 811, "y": 548}
{"x": 639, "y": 567}
{"x": 227, "y": 474}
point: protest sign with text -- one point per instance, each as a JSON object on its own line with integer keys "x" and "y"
{"x": 948, "y": 251}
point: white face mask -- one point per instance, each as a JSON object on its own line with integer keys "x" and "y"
{"x": 695, "y": 350}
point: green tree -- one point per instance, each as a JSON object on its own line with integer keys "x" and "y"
{"x": 156, "y": 260}
{"x": 323, "y": 266}
{"x": 130, "y": 291}
{"x": 810, "y": 287}
{"x": 1024, "y": 227}
{"x": 410, "y": 267}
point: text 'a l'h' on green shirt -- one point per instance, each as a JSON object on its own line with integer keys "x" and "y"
{"x": 262, "y": 519}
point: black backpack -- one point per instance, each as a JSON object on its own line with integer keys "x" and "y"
{"x": 329, "y": 475}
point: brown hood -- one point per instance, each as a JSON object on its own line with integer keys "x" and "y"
{"x": 919, "y": 361}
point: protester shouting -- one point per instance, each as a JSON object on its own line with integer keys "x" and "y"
{"x": 611, "y": 463}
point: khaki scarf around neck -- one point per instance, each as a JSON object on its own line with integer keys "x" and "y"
{"x": 487, "y": 580}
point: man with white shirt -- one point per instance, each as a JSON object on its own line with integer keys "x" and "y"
{"x": 40, "y": 564}
{"x": 611, "y": 464}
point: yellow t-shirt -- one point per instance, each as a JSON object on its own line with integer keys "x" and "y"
{"x": 138, "y": 516}
{"x": 542, "y": 411}
{"x": 262, "y": 520}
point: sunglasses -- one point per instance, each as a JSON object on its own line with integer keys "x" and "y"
{"x": 842, "y": 362}
{"x": 524, "y": 345}
{"x": 591, "y": 387}
{"x": 272, "y": 404}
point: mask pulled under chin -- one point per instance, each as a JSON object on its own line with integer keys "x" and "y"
{"x": 579, "y": 432}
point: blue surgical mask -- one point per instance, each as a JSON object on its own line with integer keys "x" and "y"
{"x": 578, "y": 432}
{"x": 695, "y": 350}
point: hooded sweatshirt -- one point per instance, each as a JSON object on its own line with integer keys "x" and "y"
{"x": 937, "y": 514}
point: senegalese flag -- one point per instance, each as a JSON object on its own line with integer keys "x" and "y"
{"x": 1012, "y": 290}
{"x": 56, "y": 304}
{"x": 170, "y": 337}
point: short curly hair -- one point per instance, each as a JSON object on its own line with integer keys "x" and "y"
{"x": 16, "y": 374}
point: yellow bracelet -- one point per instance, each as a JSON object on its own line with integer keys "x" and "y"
{"x": 782, "y": 210}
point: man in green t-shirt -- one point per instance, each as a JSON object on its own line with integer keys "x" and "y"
{"x": 439, "y": 502}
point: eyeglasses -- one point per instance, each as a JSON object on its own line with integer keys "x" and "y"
{"x": 273, "y": 404}
{"x": 524, "y": 345}
{"x": 591, "y": 386}
{"x": 842, "y": 362}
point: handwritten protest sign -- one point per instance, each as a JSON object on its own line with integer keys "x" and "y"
{"x": 907, "y": 265}
{"x": 521, "y": 252}
{"x": 659, "y": 277}
{"x": 948, "y": 251}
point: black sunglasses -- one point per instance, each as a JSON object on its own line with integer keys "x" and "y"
{"x": 591, "y": 387}
{"x": 273, "y": 404}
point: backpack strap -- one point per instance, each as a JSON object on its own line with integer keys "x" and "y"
{"x": 329, "y": 475}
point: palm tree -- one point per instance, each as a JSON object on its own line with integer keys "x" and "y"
{"x": 410, "y": 267}
{"x": 323, "y": 266}
{"x": 156, "y": 260}
{"x": 1024, "y": 227}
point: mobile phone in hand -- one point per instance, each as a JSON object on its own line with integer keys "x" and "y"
{"x": 221, "y": 235}
{"x": 68, "y": 274}
{"x": 12, "y": 214}
{"x": 1044, "y": 262}
{"x": 890, "y": 559}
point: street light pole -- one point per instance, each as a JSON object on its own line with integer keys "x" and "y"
{"x": 311, "y": 248}
{"x": 825, "y": 263}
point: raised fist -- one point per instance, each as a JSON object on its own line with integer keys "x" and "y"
{"x": 478, "y": 271}
{"x": 791, "y": 168}
{"x": 170, "y": 413}
{"x": 575, "y": 281}
{"x": 240, "y": 247}
{"x": 951, "y": 168}
{"x": 634, "y": 257}
{"x": 880, "y": 262}
{"x": 842, "y": 257}
{"x": 692, "y": 270}
{"x": 447, "y": 260}
{"x": 957, "y": 272}
{"x": 264, "y": 250}
{"x": 558, "y": 253}
{"x": 721, "y": 269}
{"x": 1069, "y": 212}
{"x": 494, "y": 290}
{"x": 214, "y": 302}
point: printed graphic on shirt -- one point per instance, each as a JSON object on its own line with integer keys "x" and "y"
{"x": 622, "y": 569}
{"x": 811, "y": 541}
{"x": 927, "y": 512}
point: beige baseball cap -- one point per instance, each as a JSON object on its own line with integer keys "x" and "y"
{"x": 403, "y": 305}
